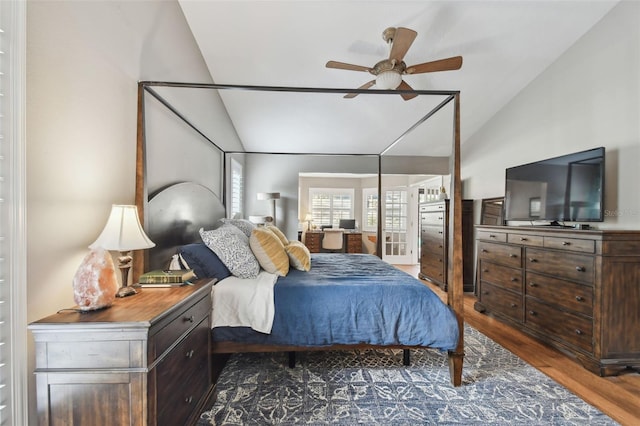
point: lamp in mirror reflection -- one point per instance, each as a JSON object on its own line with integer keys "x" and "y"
{"x": 270, "y": 196}
{"x": 123, "y": 233}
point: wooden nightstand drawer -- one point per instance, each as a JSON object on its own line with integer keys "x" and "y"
{"x": 181, "y": 324}
{"x": 570, "y": 266}
{"x": 183, "y": 376}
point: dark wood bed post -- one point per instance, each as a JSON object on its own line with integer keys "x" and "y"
{"x": 455, "y": 295}
{"x": 140, "y": 196}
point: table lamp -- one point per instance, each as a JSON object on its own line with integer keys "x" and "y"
{"x": 123, "y": 232}
{"x": 308, "y": 218}
{"x": 272, "y": 196}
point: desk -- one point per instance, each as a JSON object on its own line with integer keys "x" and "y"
{"x": 352, "y": 241}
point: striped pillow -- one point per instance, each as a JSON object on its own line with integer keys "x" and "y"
{"x": 283, "y": 238}
{"x": 299, "y": 256}
{"x": 269, "y": 251}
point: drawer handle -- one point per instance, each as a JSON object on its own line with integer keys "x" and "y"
{"x": 580, "y": 298}
{"x": 188, "y": 399}
{"x": 190, "y": 353}
{"x": 523, "y": 239}
{"x": 440, "y": 246}
{"x": 533, "y": 260}
{"x": 513, "y": 305}
{"x": 439, "y": 218}
{"x": 440, "y": 260}
{"x": 512, "y": 255}
{"x": 484, "y": 250}
{"x": 514, "y": 279}
{"x": 485, "y": 292}
{"x": 190, "y": 318}
{"x": 580, "y": 268}
{"x": 491, "y": 236}
{"x": 485, "y": 270}
{"x": 578, "y": 332}
{"x": 566, "y": 243}
{"x": 533, "y": 313}
{"x": 532, "y": 284}
{"x": 439, "y": 232}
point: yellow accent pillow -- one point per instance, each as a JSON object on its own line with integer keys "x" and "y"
{"x": 269, "y": 251}
{"x": 299, "y": 255}
{"x": 283, "y": 238}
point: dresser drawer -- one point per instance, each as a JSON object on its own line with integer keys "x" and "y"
{"x": 432, "y": 207}
{"x": 433, "y": 218}
{"x": 570, "y": 244}
{"x": 185, "y": 321}
{"x": 571, "y": 266}
{"x": 571, "y": 328}
{"x": 567, "y": 294}
{"x": 500, "y": 237}
{"x": 526, "y": 240}
{"x": 504, "y": 276}
{"x": 432, "y": 244}
{"x": 435, "y": 272}
{"x": 500, "y": 253}
{"x": 433, "y": 231}
{"x": 499, "y": 300}
{"x": 183, "y": 376}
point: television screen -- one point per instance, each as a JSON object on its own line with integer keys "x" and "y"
{"x": 565, "y": 188}
{"x": 347, "y": 224}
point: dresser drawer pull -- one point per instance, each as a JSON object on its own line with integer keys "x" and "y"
{"x": 580, "y": 298}
{"x": 578, "y": 331}
{"x": 190, "y": 353}
{"x": 514, "y": 279}
{"x": 512, "y": 255}
{"x": 484, "y": 251}
{"x": 513, "y": 305}
{"x": 523, "y": 239}
{"x": 532, "y": 284}
{"x": 566, "y": 243}
{"x": 188, "y": 399}
{"x": 492, "y": 236}
{"x": 580, "y": 268}
{"x": 533, "y": 260}
{"x": 440, "y": 218}
{"x": 533, "y": 313}
{"x": 485, "y": 292}
{"x": 190, "y": 318}
{"x": 439, "y": 232}
{"x": 485, "y": 270}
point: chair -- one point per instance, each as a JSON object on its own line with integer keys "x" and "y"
{"x": 333, "y": 239}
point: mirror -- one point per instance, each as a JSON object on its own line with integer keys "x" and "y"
{"x": 492, "y": 211}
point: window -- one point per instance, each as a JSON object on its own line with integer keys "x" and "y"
{"x": 370, "y": 209}
{"x": 329, "y": 205}
{"x": 237, "y": 184}
{"x": 13, "y": 275}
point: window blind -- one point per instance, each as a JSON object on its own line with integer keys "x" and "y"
{"x": 5, "y": 376}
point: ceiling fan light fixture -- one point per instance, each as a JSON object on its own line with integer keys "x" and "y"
{"x": 388, "y": 80}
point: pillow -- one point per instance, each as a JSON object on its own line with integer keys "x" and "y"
{"x": 299, "y": 256}
{"x": 283, "y": 238}
{"x": 204, "y": 262}
{"x": 269, "y": 251}
{"x": 232, "y": 247}
{"x": 242, "y": 224}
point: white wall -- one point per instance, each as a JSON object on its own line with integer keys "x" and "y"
{"x": 589, "y": 97}
{"x": 84, "y": 60}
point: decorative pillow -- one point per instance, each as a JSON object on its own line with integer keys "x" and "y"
{"x": 231, "y": 245}
{"x": 204, "y": 262}
{"x": 269, "y": 251}
{"x": 283, "y": 238}
{"x": 242, "y": 224}
{"x": 299, "y": 256}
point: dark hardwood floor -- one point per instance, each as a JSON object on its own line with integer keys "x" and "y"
{"x": 618, "y": 396}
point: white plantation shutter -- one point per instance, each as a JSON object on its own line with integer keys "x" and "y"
{"x": 13, "y": 353}
{"x": 329, "y": 205}
{"x": 236, "y": 187}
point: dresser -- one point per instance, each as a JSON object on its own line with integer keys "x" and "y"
{"x": 434, "y": 243}
{"x": 143, "y": 361}
{"x": 577, "y": 290}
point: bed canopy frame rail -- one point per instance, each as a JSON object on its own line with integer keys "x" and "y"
{"x": 455, "y": 289}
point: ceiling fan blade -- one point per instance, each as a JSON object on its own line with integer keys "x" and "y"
{"x": 345, "y": 66}
{"x": 364, "y": 86}
{"x": 402, "y": 41}
{"x": 448, "y": 64}
{"x": 405, "y": 86}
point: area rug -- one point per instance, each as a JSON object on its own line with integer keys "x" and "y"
{"x": 372, "y": 387}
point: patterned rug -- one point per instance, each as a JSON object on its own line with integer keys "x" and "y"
{"x": 372, "y": 387}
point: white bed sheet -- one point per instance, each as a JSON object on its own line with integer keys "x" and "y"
{"x": 244, "y": 302}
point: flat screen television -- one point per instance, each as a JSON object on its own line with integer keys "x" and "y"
{"x": 565, "y": 188}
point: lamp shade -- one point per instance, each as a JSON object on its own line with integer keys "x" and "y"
{"x": 123, "y": 231}
{"x": 308, "y": 217}
{"x": 387, "y": 80}
{"x": 268, "y": 195}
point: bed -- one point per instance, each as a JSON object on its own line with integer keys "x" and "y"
{"x": 412, "y": 316}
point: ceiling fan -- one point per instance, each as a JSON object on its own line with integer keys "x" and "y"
{"x": 389, "y": 71}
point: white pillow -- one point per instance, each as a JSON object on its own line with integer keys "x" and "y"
{"x": 242, "y": 224}
{"x": 231, "y": 245}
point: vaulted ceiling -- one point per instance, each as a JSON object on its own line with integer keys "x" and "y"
{"x": 505, "y": 45}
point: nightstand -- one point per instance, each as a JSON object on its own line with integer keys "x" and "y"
{"x": 143, "y": 361}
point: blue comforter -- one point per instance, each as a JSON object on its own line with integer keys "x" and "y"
{"x": 353, "y": 299}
